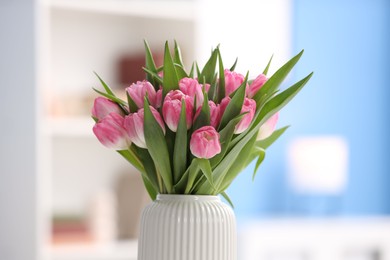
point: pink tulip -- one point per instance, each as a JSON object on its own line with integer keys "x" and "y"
{"x": 206, "y": 87}
{"x": 111, "y": 133}
{"x": 134, "y": 125}
{"x": 138, "y": 91}
{"x": 224, "y": 103}
{"x": 250, "y": 107}
{"x": 103, "y": 107}
{"x": 158, "y": 98}
{"x": 172, "y": 107}
{"x": 192, "y": 88}
{"x": 205, "y": 143}
{"x": 268, "y": 127}
{"x": 256, "y": 85}
{"x": 215, "y": 115}
{"x": 232, "y": 81}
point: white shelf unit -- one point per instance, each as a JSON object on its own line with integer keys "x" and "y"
{"x": 125, "y": 250}
{"x": 167, "y": 9}
{"x": 81, "y": 36}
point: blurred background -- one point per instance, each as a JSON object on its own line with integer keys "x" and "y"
{"x": 323, "y": 190}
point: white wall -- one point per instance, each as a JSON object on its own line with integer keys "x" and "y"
{"x": 18, "y": 167}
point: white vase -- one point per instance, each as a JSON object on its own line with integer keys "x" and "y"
{"x": 187, "y": 227}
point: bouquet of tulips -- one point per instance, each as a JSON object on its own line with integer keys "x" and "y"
{"x": 193, "y": 132}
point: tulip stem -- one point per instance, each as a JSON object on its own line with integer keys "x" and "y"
{"x": 160, "y": 184}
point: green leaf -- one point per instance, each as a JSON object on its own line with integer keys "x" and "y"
{"x": 170, "y": 139}
{"x": 234, "y": 65}
{"x": 111, "y": 97}
{"x": 170, "y": 80}
{"x": 212, "y": 94}
{"x": 159, "y": 69}
{"x": 135, "y": 160}
{"x": 156, "y": 78}
{"x": 226, "y": 197}
{"x": 280, "y": 100}
{"x": 270, "y": 109}
{"x": 150, "y": 66}
{"x": 149, "y": 188}
{"x": 240, "y": 163}
{"x": 198, "y": 72}
{"x": 199, "y": 168}
{"x": 209, "y": 69}
{"x": 147, "y": 162}
{"x": 181, "y": 185}
{"x": 230, "y": 166}
{"x": 240, "y": 148}
{"x": 132, "y": 158}
{"x": 268, "y": 65}
{"x": 191, "y": 75}
{"x": 105, "y": 86}
{"x": 110, "y": 94}
{"x": 203, "y": 118}
{"x": 265, "y": 143}
{"x": 201, "y": 179}
{"x": 275, "y": 104}
{"x": 181, "y": 73}
{"x": 273, "y": 82}
{"x": 180, "y": 148}
{"x": 260, "y": 159}
{"x": 157, "y": 147}
{"x": 205, "y": 167}
{"x": 234, "y": 107}
{"x": 132, "y": 106}
{"x": 225, "y": 136}
{"x": 230, "y": 160}
{"x": 221, "y": 84}
{"x": 177, "y": 58}
{"x": 193, "y": 171}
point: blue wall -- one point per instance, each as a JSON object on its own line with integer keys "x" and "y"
{"x": 347, "y": 46}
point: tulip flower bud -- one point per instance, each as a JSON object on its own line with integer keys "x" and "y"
{"x": 172, "y": 107}
{"x": 158, "y": 98}
{"x": 206, "y": 87}
{"x": 215, "y": 115}
{"x": 250, "y": 107}
{"x": 232, "y": 81}
{"x": 134, "y": 125}
{"x": 192, "y": 88}
{"x": 224, "y": 103}
{"x": 103, "y": 107}
{"x": 138, "y": 91}
{"x": 268, "y": 127}
{"x": 256, "y": 85}
{"x": 111, "y": 133}
{"x": 205, "y": 142}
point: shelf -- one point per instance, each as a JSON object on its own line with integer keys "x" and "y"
{"x": 169, "y": 9}
{"x": 122, "y": 250}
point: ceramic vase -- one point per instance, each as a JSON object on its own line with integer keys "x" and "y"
{"x": 187, "y": 227}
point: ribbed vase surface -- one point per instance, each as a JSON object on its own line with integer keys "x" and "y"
{"x": 187, "y": 227}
